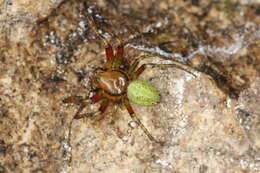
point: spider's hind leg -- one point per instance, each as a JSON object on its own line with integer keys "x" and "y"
{"x": 83, "y": 103}
{"x": 136, "y": 73}
{"x": 137, "y": 120}
{"x": 176, "y": 64}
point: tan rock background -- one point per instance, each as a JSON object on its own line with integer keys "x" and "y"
{"x": 209, "y": 123}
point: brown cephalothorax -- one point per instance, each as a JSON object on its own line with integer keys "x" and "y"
{"x": 112, "y": 82}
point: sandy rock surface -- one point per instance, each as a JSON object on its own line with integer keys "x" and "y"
{"x": 208, "y": 122}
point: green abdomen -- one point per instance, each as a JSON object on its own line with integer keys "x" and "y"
{"x": 143, "y": 93}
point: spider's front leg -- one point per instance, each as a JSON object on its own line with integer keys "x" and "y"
{"x": 83, "y": 103}
{"x": 114, "y": 61}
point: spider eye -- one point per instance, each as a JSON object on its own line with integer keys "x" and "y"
{"x": 143, "y": 93}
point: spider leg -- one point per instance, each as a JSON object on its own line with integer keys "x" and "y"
{"x": 109, "y": 49}
{"x": 118, "y": 60}
{"x": 120, "y": 51}
{"x": 99, "y": 115}
{"x": 77, "y": 100}
{"x": 96, "y": 97}
{"x": 113, "y": 60}
{"x": 140, "y": 70}
{"x": 135, "y": 72}
{"x": 94, "y": 28}
{"x": 103, "y": 106}
{"x": 109, "y": 53}
{"x": 178, "y": 65}
{"x": 108, "y": 30}
{"x": 137, "y": 120}
{"x": 73, "y": 99}
{"x": 83, "y": 103}
{"x": 134, "y": 65}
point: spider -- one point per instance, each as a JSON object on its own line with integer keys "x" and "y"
{"x": 112, "y": 84}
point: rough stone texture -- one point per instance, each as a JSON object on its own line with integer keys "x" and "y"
{"x": 209, "y": 123}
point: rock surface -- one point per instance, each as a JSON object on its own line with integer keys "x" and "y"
{"x": 208, "y": 123}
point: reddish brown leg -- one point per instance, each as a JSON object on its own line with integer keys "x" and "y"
{"x": 137, "y": 120}
{"x": 110, "y": 56}
{"x": 96, "y": 97}
{"x": 119, "y": 57}
{"x": 73, "y": 99}
{"x": 109, "y": 53}
{"x": 109, "y": 49}
{"x": 83, "y": 103}
{"x": 100, "y": 111}
{"x": 103, "y": 106}
{"x": 78, "y": 115}
{"x": 77, "y": 100}
{"x": 132, "y": 68}
{"x": 99, "y": 115}
{"x": 139, "y": 70}
{"x": 120, "y": 51}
